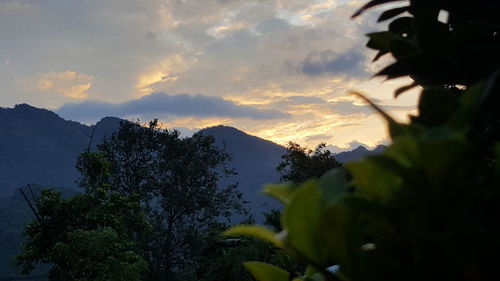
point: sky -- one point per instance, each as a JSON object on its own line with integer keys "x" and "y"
{"x": 278, "y": 69}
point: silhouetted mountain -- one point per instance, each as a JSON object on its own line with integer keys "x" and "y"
{"x": 36, "y": 145}
{"x": 358, "y": 153}
{"x": 255, "y": 160}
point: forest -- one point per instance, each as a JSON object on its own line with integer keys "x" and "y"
{"x": 426, "y": 208}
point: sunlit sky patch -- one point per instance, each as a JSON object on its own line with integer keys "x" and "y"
{"x": 278, "y": 69}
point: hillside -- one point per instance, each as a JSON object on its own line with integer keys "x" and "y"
{"x": 37, "y": 146}
{"x": 255, "y": 160}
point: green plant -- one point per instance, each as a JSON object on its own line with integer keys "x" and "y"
{"x": 89, "y": 236}
{"x": 427, "y": 207}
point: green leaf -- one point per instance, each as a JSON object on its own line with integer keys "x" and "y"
{"x": 404, "y": 150}
{"x": 434, "y": 37}
{"x": 471, "y": 101}
{"x": 301, "y": 219}
{"x": 402, "y": 67}
{"x": 281, "y": 192}
{"x": 401, "y": 25}
{"x": 337, "y": 227}
{"x": 403, "y": 89}
{"x": 260, "y": 232}
{"x": 266, "y": 272}
{"x": 392, "y": 13}
{"x": 402, "y": 49}
{"x": 374, "y": 179}
{"x": 439, "y": 156}
{"x": 436, "y": 106}
{"x": 332, "y": 184}
{"x": 381, "y": 40}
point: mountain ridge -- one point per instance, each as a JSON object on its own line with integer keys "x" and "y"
{"x": 38, "y": 146}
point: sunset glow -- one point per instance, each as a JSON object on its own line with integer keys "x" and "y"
{"x": 280, "y": 70}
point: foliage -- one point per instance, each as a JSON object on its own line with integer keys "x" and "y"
{"x": 176, "y": 179}
{"x": 223, "y": 258}
{"x": 427, "y": 207}
{"x": 86, "y": 237}
{"x": 14, "y": 213}
{"x": 300, "y": 164}
{"x": 461, "y": 50}
{"x": 445, "y": 57}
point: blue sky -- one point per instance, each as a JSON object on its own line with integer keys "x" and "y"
{"x": 278, "y": 69}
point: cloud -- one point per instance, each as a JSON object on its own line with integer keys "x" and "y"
{"x": 305, "y": 100}
{"x": 166, "y": 71}
{"x": 316, "y": 138}
{"x": 16, "y": 7}
{"x": 70, "y": 84}
{"x": 167, "y": 105}
{"x": 344, "y": 107}
{"x": 328, "y": 62}
{"x": 236, "y": 50}
{"x": 349, "y": 108}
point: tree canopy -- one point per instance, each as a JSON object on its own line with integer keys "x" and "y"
{"x": 300, "y": 164}
{"x": 168, "y": 181}
{"x": 86, "y": 237}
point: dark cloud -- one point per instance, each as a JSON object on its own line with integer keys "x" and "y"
{"x": 165, "y": 104}
{"x": 329, "y": 62}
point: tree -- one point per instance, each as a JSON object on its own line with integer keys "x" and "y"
{"x": 300, "y": 164}
{"x": 176, "y": 179}
{"x": 427, "y": 207}
{"x": 88, "y": 237}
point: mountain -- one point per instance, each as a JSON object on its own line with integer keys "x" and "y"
{"x": 255, "y": 160}
{"x": 38, "y": 146}
{"x": 358, "y": 153}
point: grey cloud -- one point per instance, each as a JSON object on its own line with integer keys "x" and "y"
{"x": 328, "y": 62}
{"x": 272, "y": 25}
{"x": 320, "y": 137}
{"x": 291, "y": 101}
{"x": 305, "y": 100}
{"x": 165, "y": 104}
{"x": 348, "y": 108}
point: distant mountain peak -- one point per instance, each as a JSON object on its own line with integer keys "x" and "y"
{"x": 222, "y": 128}
{"x": 25, "y": 111}
{"x": 358, "y": 153}
{"x": 109, "y": 120}
{"x": 360, "y": 148}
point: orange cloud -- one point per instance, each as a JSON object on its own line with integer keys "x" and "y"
{"x": 70, "y": 84}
